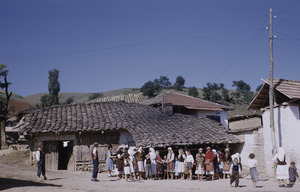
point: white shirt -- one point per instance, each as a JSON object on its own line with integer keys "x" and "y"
{"x": 252, "y": 163}
{"x": 38, "y": 156}
{"x": 170, "y": 159}
{"x": 189, "y": 158}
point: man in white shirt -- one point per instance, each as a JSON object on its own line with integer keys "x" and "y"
{"x": 40, "y": 158}
{"x": 95, "y": 162}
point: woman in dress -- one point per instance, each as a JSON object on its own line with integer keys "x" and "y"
{"x": 252, "y": 163}
{"x": 153, "y": 163}
{"x": 200, "y": 165}
{"x": 109, "y": 161}
{"x": 227, "y": 163}
{"x": 209, "y": 158}
{"x": 282, "y": 170}
{"x": 181, "y": 158}
{"x": 140, "y": 162}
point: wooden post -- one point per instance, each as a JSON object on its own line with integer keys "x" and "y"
{"x": 271, "y": 91}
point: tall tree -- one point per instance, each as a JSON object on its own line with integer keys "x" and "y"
{"x": 4, "y": 103}
{"x": 210, "y": 92}
{"x": 179, "y": 84}
{"x": 243, "y": 89}
{"x": 53, "y": 87}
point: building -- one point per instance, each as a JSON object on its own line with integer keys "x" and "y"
{"x": 249, "y": 129}
{"x": 69, "y": 131}
{"x": 179, "y": 103}
{"x": 286, "y": 119}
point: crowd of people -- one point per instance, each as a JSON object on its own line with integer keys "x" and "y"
{"x": 134, "y": 163}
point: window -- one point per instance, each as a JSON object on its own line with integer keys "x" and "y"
{"x": 214, "y": 117}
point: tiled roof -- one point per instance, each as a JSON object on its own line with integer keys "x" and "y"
{"x": 285, "y": 91}
{"x": 147, "y": 125}
{"x": 129, "y": 98}
{"x": 186, "y": 101}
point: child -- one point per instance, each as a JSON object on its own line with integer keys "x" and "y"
{"x": 189, "y": 162}
{"x": 235, "y": 170}
{"x": 252, "y": 163}
{"x": 181, "y": 167}
{"x": 293, "y": 173}
{"x": 165, "y": 166}
{"x": 176, "y": 168}
{"x": 159, "y": 162}
{"x": 147, "y": 164}
{"x": 126, "y": 167}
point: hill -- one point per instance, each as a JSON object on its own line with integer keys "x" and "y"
{"x": 128, "y": 94}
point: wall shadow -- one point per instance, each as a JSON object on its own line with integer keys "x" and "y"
{"x": 6, "y": 183}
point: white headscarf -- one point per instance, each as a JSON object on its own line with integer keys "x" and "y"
{"x": 152, "y": 155}
{"x": 280, "y": 154}
{"x": 140, "y": 150}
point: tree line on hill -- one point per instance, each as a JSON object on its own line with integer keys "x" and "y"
{"x": 214, "y": 92}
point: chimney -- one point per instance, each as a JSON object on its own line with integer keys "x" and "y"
{"x": 168, "y": 109}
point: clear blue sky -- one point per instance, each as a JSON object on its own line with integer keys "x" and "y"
{"x": 102, "y": 45}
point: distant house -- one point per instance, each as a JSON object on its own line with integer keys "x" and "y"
{"x": 286, "y": 119}
{"x": 179, "y": 103}
{"x": 69, "y": 131}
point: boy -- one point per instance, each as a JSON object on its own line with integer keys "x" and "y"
{"x": 293, "y": 173}
{"x": 235, "y": 171}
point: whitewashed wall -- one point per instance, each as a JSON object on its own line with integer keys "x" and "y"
{"x": 287, "y": 134}
{"x": 222, "y": 114}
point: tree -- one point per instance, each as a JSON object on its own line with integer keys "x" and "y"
{"x": 241, "y": 86}
{"x": 44, "y": 101}
{"x": 53, "y": 87}
{"x": 179, "y": 84}
{"x": 243, "y": 89}
{"x": 164, "y": 82}
{"x": 193, "y": 92}
{"x": 210, "y": 92}
{"x": 69, "y": 100}
{"x": 95, "y": 96}
{"x": 258, "y": 87}
{"x": 150, "y": 88}
{"x": 4, "y": 103}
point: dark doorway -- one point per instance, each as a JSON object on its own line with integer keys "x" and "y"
{"x": 65, "y": 149}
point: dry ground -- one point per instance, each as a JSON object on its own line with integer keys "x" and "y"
{"x": 17, "y": 175}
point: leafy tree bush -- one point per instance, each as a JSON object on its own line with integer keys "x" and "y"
{"x": 150, "y": 88}
{"x": 95, "y": 96}
{"x": 193, "y": 92}
{"x": 164, "y": 82}
{"x": 69, "y": 100}
{"x": 53, "y": 87}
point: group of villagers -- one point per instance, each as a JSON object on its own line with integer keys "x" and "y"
{"x": 134, "y": 163}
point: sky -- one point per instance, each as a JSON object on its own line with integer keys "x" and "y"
{"x": 101, "y": 45}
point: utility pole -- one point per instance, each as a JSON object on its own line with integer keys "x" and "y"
{"x": 271, "y": 89}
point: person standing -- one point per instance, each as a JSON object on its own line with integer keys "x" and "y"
{"x": 227, "y": 163}
{"x": 153, "y": 163}
{"x": 293, "y": 173}
{"x": 140, "y": 162}
{"x": 189, "y": 160}
{"x": 209, "y": 158}
{"x": 170, "y": 163}
{"x": 160, "y": 169}
{"x": 235, "y": 171}
{"x": 282, "y": 170}
{"x": 181, "y": 158}
{"x": 199, "y": 165}
{"x": 40, "y": 158}
{"x": 216, "y": 163}
{"x": 252, "y": 163}
{"x": 95, "y": 159}
{"x": 109, "y": 165}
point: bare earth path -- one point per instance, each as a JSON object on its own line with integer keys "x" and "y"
{"x": 16, "y": 175}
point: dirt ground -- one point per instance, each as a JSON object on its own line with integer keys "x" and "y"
{"x": 17, "y": 175}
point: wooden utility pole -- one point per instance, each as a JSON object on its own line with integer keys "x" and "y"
{"x": 271, "y": 89}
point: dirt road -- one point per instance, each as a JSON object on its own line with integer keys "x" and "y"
{"x": 17, "y": 175}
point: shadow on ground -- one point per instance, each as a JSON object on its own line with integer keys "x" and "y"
{"x": 14, "y": 183}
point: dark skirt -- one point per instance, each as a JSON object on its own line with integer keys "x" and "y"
{"x": 254, "y": 174}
